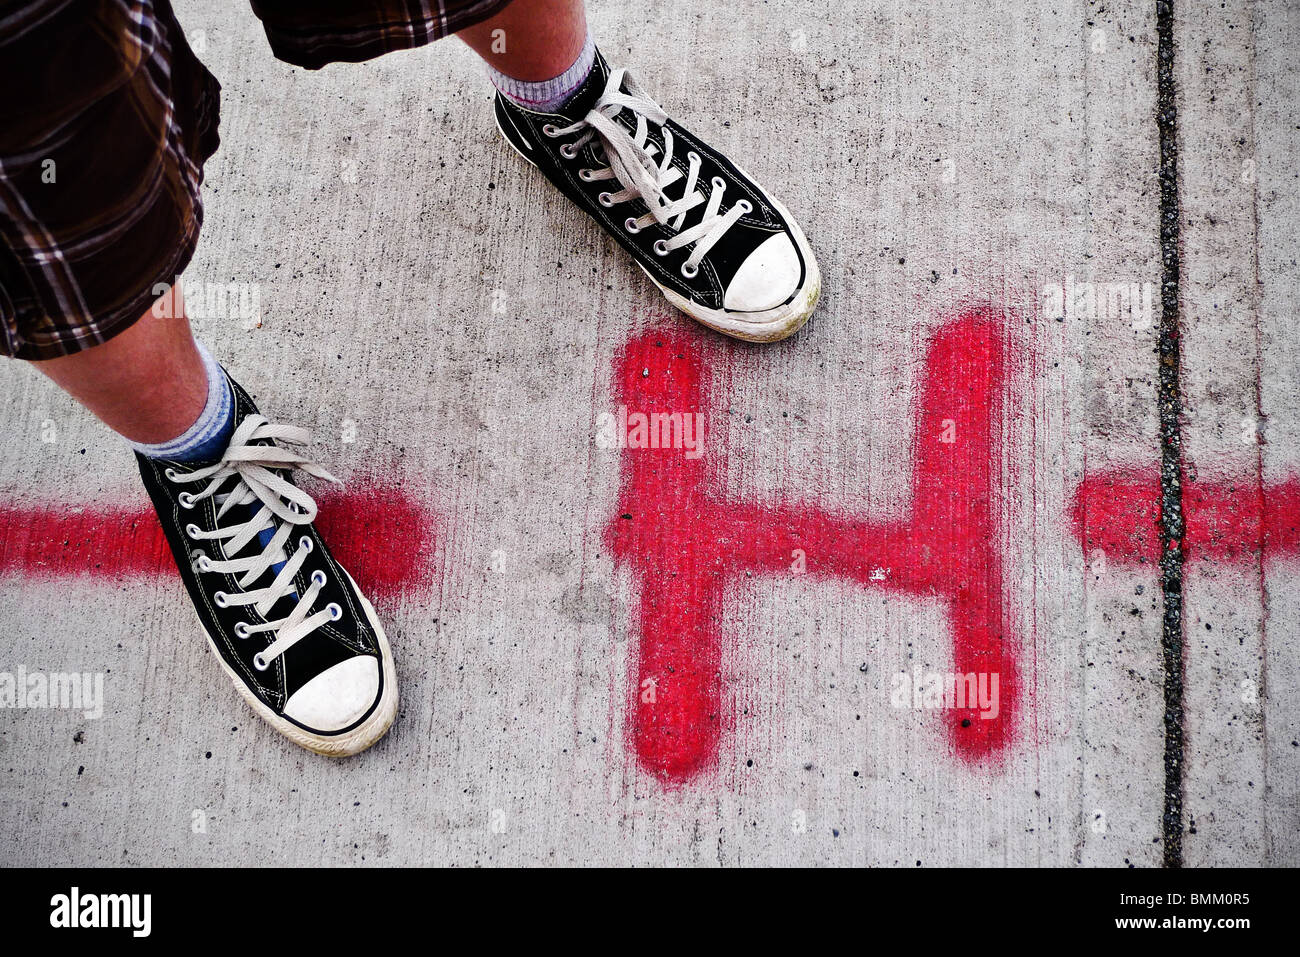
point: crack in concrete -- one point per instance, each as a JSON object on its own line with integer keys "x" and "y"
{"x": 1171, "y": 457}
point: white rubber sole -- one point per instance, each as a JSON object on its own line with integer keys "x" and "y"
{"x": 771, "y": 325}
{"x": 332, "y": 745}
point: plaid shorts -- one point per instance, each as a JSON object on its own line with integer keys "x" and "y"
{"x": 106, "y": 120}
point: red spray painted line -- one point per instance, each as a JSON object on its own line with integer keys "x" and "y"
{"x": 683, "y": 542}
{"x": 1119, "y": 512}
{"x": 381, "y": 535}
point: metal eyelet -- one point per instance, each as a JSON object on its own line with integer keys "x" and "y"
{"x": 568, "y": 151}
{"x": 584, "y": 174}
{"x": 219, "y": 599}
{"x": 241, "y": 630}
{"x": 605, "y": 200}
{"x": 719, "y": 183}
{"x": 170, "y": 473}
{"x": 185, "y": 499}
{"x": 550, "y": 129}
{"x": 661, "y": 247}
{"x": 192, "y": 530}
{"x": 746, "y": 205}
{"x": 689, "y": 271}
{"x": 203, "y": 563}
{"x": 260, "y": 663}
{"x": 305, "y": 544}
{"x": 335, "y": 611}
{"x": 318, "y": 577}
{"x": 693, "y": 156}
{"x": 630, "y": 225}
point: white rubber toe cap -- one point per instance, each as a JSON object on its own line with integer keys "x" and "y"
{"x": 338, "y": 696}
{"x": 767, "y": 277}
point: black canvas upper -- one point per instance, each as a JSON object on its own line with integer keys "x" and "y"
{"x": 328, "y": 645}
{"x": 525, "y": 130}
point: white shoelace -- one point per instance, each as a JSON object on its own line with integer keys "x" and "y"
{"x": 283, "y": 505}
{"x": 635, "y": 164}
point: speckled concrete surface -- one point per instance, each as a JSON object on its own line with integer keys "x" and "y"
{"x": 445, "y": 323}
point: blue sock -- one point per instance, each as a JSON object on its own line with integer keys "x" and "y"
{"x": 208, "y": 437}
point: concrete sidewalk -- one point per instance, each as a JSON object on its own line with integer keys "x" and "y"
{"x": 953, "y": 468}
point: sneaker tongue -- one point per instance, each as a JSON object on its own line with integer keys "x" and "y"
{"x": 259, "y": 543}
{"x": 584, "y": 98}
{"x": 590, "y": 92}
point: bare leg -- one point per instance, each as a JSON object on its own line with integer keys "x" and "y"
{"x": 147, "y": 384}
{"x": 539, "y": 39}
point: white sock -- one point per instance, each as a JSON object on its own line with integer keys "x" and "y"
{"x": 543, "y": 96}
{"x": 207, "y": 437}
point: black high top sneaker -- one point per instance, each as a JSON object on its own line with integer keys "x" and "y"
{"x": 287, "y": 622}
{"x": 718, "y": 245}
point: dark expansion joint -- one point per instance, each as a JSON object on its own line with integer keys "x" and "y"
{"x": 1171, "y": 456}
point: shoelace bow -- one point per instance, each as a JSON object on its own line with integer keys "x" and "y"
{"x": 247, "y": 472}
{"x": 635, "y": 164}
